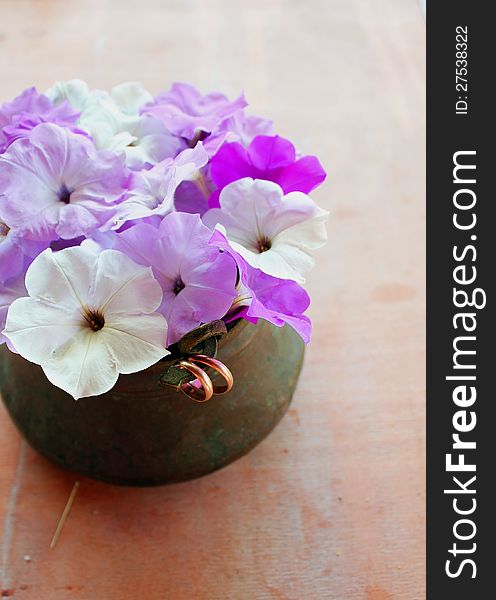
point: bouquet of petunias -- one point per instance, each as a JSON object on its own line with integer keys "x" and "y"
{"x": 127, "y": 221}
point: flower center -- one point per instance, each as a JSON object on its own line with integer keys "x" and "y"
{"x": 200, "y": 135}
{"x": 94, "y": 319}
{"x": 64, "y": 194}
{"x": 264, "y": 244}
{"x": 4, "y": 229}
{"x": 178, "y": 286}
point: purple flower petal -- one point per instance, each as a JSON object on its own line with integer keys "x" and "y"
{"x": 190, "y": 198}
{"x": 55, "y": 184}
{"x": 304, "y": 175}
{"x": 246, "y": 127}
{"x": 28, "y": 110}
{"x": 16, "y": 253}
{"x": 261, "y": 296}
{"x": 272, "y": 158}
{"x": 185, "y": 111}
{"x": 198, "y": 281}
{"x": 152, "y": 192}
{"x": 269, "y": 153}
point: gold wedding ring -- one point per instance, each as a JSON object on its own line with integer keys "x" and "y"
{"x": 202, "y": 388}
{"x": 218, "y": 366}
{"x": 198, "y": 394}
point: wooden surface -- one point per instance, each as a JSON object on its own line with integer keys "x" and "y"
{"x": 332, "y": 504}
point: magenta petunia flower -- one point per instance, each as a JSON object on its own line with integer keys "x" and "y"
{"x": 197, "y": 279}
{"x": 261, "y": 296}
{"x": 272, "y": 158}
{"x": 186, "y": 112}
{"x": 56, "y": 184}
{"x": 28, "y": 110}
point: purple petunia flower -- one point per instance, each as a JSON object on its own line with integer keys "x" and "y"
{"x": 272, "y": 158}
{"x": 56, "y": 184}
{"x": 186, "y": 112}
{"x": 28, "y": 110}
{"x": 261, "y": 296}
{"x": 198, "y": 281}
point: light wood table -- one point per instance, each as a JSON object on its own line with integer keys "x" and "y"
{"x": 331, "y": 505}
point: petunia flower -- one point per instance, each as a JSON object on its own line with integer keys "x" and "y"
{"x": 267, "y": 157}
{"x": 55, "y": 184}
{"x": 152, "y": 192}
{"x": 261, "y": 296}
{"x": 273, "y": 232}
{"x": 88, "y": 318}
{"x": 188, "y": 113}
{"x": 28, "y": 110}
{"x": 198, "y": 281}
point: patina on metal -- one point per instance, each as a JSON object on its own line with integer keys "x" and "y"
{"x": 142, "y": 433}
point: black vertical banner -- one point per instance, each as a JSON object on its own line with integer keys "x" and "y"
{"x": 461, "y": 270}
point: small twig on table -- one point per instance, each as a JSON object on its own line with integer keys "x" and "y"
{"x": 64, "y": 514}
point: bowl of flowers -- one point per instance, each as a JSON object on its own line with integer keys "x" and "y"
{"x": 152, "y": 256}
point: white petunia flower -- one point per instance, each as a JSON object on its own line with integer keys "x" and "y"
{"x": 88, "y": 318}
{"x": 272, "y": 232}
{"x": 114, "y": 121}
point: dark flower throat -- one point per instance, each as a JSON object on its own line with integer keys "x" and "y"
{"x": 264, "y": 244}
{"x": 178, "y": 286}
{"x": 64, "y": 194}
{"x": 94, "y": 318}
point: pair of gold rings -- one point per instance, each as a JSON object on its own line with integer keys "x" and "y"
{"x": 202, "y": 388}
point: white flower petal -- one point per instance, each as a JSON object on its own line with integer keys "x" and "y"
{"x": 255, "y": 213}
{"x": 75, "y": 91}
{"x": 37, "y": 329}
{"x": 285, "y": 264}
{"x": 248, "y": 209}
{"x": 63, "y": 278}
{"x": 89, "y": 319}
{"x": 83, "y": 366}
{"x": 130, "y": 97}
{"x": 123, "y": 287}
{"x": 104, "y": 121}
{"x": 310, "y": 234}
{"x": 135, "y": 342}
{"x": 299, "y": 210}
